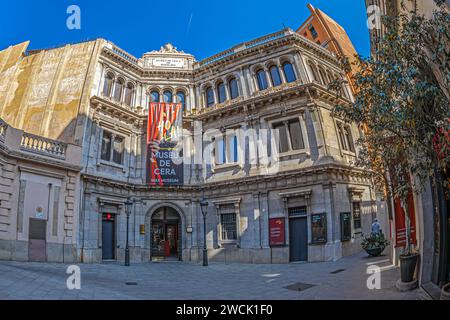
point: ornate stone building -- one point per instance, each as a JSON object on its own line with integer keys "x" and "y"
{"x": 90, "y": 101}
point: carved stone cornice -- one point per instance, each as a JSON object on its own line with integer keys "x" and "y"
{"x": 103, "y": 106}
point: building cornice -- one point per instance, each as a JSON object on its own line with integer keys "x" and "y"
{"x": 283, "y": 180}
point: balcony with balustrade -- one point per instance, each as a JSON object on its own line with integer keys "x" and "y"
{"x": 23, "y": 145}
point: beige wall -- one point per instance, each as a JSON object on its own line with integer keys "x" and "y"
{"x": 41, "y": 93}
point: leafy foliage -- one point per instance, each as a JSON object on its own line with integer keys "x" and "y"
{"x": 403, "y": 102}
{"x": 374, "y": 241}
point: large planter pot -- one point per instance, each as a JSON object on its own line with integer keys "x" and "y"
{"x": 445, "y": 293}
{"x": 408, "y": 267}
{"x": 375, "y": 252}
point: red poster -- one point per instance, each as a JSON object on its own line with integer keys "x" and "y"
{"x": 163, "y": 135}
{"x": 400, "y": 224}
{"x": 277, "y": 232}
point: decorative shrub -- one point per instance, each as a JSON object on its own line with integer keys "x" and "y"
{"x": 374, "y": 241}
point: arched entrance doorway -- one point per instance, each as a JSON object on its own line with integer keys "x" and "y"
{"x": 166, "y": 234}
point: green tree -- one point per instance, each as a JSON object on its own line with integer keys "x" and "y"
{"x": 403, "y": 102}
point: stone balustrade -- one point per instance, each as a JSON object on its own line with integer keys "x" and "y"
{"x": 246, "y": 45}
{"x": 44, "y": 146}
{"x": 124, "y": 55}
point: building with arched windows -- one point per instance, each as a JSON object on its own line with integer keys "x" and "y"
{"x": 74, "y": 149}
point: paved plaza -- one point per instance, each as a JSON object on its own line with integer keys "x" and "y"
{"x": 343, "y": 279}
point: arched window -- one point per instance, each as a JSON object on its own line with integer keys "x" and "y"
{"x": 289, "y": 72}
{"x": 314, "y": 73}
{"x": 262, "y": 79}
{"x": 209, "y": 97}
{"x": 275, "y": 76}
{"x": 107, "y": 87}
{"x": 129, "y": 92}
{"x": 345, "y": 90}
{"x": 118, "y": 90}
{"x": 323, "y": 76}
{"x": 154, "y": 96}
{"x": 222, "y": 92}
{"x": 330, "y": 76}
{"x": 168, "y": 97}
{"x": 181, "y": 98}
{"x": 234, "y": 88}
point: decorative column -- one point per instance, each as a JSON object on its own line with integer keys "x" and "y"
{"x": 227, "y": 90}
{"x": 268, "y": 77}
{"x": 301, "y": 68}
{"x": 281, "y": 71}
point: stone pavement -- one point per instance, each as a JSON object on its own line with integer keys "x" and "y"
{"x": 343, "y": 279}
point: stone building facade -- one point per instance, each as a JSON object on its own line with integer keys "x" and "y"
{"x": 95, "y": 96}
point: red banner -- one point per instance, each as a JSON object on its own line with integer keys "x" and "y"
{"x": 163, "y": 134}
{"x": 400, "y": 223}
{"x": 277, "y": 232}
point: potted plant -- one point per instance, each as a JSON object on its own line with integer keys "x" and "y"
{"x": 374, "y": 244}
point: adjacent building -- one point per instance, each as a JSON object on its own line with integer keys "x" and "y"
{"x": 74, "y": 148}
{"x": 431, "y": 210}
{"x": 325, "y": 31}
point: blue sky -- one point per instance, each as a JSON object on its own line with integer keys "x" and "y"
{"x": 200, "y": 27}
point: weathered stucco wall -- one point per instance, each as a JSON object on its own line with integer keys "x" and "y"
{"x": 42, "y": 93}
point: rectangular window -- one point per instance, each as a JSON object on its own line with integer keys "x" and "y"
{"x": 283, "y": 144}
{"x": 291, "y": 136}
{"x": 349, "y": 138}
{"x": 357, "y": 215}
{"x": 118, "y": 150}
{"x": 298, "y": 211}
{"x": 313, "y": 32}
{"x": 346, "y": 227}
{"x": 228, "y": 222}
{"x": 345, "y": 137}
{"x": 227, "y": 150}
{"x": 106, "y": 146}
{"x": 112, "y": 148}
{"x": 296, "y": 135}
{"x": 233, "y": 149}
{"x": 220, "y": 151}
{"x": 342, "y": 137}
